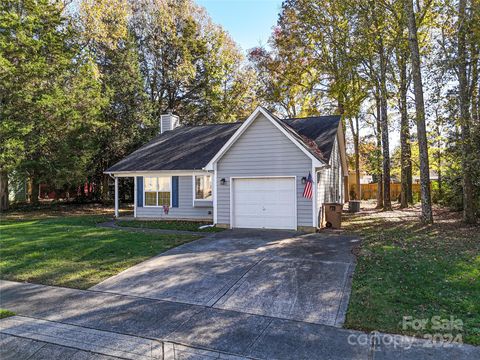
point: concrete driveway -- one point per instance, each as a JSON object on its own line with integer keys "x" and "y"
{"x": 238, "y": 277}
{"x": 274, "y": 273}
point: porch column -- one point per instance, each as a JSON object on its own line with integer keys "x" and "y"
{"x": 116, "y": 197}
{"x": 135, "y": 197}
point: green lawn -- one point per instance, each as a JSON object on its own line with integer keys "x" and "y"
{"x": 168, "y": 225}
{"x": 406, "y": 269}
{"x": 5, "y": 313}
{"x": 72, "y": 251}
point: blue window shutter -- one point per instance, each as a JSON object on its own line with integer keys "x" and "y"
{"x": 139, "y": 191}
{"x": 174, "y": 191}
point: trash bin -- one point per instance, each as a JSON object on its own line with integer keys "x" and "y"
{"x": 333, "y": 215}
{"x": 354, "y": 206}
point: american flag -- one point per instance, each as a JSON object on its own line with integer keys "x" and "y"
{"x": 308, "y": 191}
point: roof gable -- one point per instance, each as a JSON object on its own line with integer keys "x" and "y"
{"x": 278, "y": 124}
{"x": 262, "y": 139}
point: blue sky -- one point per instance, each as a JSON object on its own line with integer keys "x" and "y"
{"x": 249, "y": 22}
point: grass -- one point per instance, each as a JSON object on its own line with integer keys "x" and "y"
{"x": 45, "y": 209}
{"x": 71, "y": 251}
{"x": 168, "y": 225}
{"x": 408, "y": 269}
{"x": 6, "y": 313}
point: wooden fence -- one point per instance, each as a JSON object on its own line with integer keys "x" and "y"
{"x": 369, "y": 191}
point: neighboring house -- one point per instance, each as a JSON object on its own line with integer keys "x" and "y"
{"x": 433, "y": 177}
{"x": 17, "y": 188}
{"x": 365, "y": 178}
{"x": 247, "y": 174}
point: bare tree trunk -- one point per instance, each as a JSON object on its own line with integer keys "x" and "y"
{"x": 357, "y": 160}
{"x": 3, "y": 191}
{"x": 438, "y": 154}
{"x": 406, "y": 161}
{"x": 105, "y": 190}
{"x": 477, "y": 119}
{"x": 379, "y": 153}
{"x": 410, "y": 180}
{"x": 341, "y": 111}
{"x": 427, "y": 216}
{"x": 475, "y": 87}
{"x": 357, "y": 156}
{"x": 340, "y": 107}
{"x": 34, "y": 190}
{"x": 440, "y": 179}
{"x": 387, "y": 203}
{"x": 468, "y": 198}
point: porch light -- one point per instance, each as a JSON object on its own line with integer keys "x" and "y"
{"x": 223, "y": 181}
{"x": 304, "y": 180}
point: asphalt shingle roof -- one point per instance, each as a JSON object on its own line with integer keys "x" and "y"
{"x": 192, "y": 147}
{"x": 184, "y": 148}
{"x": 320, "y": 129}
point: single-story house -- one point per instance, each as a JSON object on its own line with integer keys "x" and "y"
{"x": 249, "y": 174}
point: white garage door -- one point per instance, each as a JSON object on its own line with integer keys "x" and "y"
{"x": 264, "y": 203}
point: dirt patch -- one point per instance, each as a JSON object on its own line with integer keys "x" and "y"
{"x": 48, "y": 210}
{"x": 444, "y": 219}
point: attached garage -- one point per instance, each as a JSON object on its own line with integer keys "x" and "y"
{"x": 264, "y": 202}
{"x": 261, "y": 172}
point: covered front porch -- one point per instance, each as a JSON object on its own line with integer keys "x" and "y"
{"x": 181, "y": 195}
{"x": 123, "y": 196}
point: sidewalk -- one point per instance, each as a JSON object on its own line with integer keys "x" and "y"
{"x": 201, "y": 331}
{"x": 26, "y": 337}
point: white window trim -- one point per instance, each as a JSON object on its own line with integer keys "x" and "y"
{"x": 195, "y": 193}
{"x": 156, "y": 198}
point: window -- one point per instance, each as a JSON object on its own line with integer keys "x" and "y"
{"x": 203, "y": 187}
{"x": 157, "y": 191}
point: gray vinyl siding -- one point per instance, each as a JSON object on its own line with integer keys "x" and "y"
{"x": 185, "y": 209}
{"x": 263, "y": 150}
{"x": 330, "y": 181}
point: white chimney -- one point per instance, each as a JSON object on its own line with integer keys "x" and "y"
{"x": 168, "y": 122}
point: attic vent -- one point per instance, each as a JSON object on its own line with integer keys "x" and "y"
{"x": 168, "y": 122}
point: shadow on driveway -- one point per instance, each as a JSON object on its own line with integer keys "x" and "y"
{"x": 275, "y": 273}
